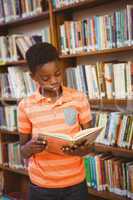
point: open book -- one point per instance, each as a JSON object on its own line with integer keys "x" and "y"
{"x": 57, "y": 140}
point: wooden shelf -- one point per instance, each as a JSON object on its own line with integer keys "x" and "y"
{"x": 106, "y": 195}
{"x": 81, "y": 5}
{"x": 111, "y": 105}
{"x": 98, "y": 52}
{"x": 109, "y": 109}
{"x": 3, "y": 131}
{"x": 27, "y": 20}
{"x": 14, "y": 63}
{"x": 111, "y": 101}
{"x": 9, "y": 99}
{"x": 118, "y": 151}
{"x": 18, "y": 171}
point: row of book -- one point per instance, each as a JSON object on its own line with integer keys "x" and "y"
{"x": 10, "y": 155}
{"x": 104, "y": 172}
{"x": 16, "y": 83}
{"x": 8, "y": 117}
{"x": 117, "y": 131}
{"x": 14, "y": 47}
{"x": 102, "y": 80}
{"x": 98, "y": 32}
{"x": 14, "y": 9}
{"x": 60, "y": 3}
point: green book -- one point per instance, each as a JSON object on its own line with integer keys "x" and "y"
{"x": 87, "y": 170}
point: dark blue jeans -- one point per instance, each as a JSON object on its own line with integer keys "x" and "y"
{"x": 76, "y": 192}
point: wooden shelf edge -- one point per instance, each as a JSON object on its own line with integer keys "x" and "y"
{"x": 91, "y": 101}
{"x": 127, "y": 153}
{"x": 26, "y": 20}
{"x": 80, "y": 5}
{"x": 111, "y": 101}
{"x": 4, "y": 131}
{"x": 9, "y": 99}
{"x": 18, "y": 171}
{"x": 106, "y": 195}
{"x": 98, "y": 52}
{"x": 13, "y": 63}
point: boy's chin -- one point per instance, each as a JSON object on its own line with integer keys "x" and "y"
{"x": 55, "y": 89}
{"x": 52, "y": 89}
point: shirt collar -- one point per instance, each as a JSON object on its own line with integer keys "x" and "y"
{"x": 66, "y": 96}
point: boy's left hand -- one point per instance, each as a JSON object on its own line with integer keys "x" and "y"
{"x": 79, "y": 149}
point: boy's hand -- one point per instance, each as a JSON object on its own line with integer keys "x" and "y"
{"x": 34, "y": 146}
{"x": 79, "y": 149}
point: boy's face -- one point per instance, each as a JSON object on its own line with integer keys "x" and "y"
{"x": 49, "y": 77}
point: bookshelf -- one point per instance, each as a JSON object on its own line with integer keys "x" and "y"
{"x": 56, "y": 17}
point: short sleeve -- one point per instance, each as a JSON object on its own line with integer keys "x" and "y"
{"x": 24, "y": 124}
{"x": 84, "y": 110}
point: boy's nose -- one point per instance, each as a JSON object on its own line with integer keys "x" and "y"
{"x": 53, "y": 80}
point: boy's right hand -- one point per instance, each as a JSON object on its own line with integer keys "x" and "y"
{"x": 33, "y": 146}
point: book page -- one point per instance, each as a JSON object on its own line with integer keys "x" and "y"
{"x": 86, "y": 132}
{"x": 59, "y": 136}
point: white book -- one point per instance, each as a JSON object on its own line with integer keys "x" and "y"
{"x": 130, "y": 136}
{"x": 29, "y": 83}
{"x": 64, "y": 47}
{"x": 4, "y": 53}
{"x": 89, "y": 79}
{"x": 45, "y": 34}
{"x": 8, "y": 10}
{"x": 16, "y": 76}
{"x": 122, "y": 131}
{"x": 119, "y": 80}
{"x": 129, "y": 81}
{"x": 102, "y": 122}
{"x": 81, "y": 78}
{"x": 95, "y": 83}
{"x": 73, "y": 78}
{"x": 108, "y": 74}
{"x": 12, "y": 47}
{"x": 12, "y": 87}
{"x": 129, "y": 23}
{"x": 115, "y": 117}
{"x": 72, "y": 41}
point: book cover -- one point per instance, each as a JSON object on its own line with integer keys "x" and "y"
{"x": 56, "y": 140}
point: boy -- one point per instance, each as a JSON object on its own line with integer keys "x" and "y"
{"x": 56, "y": 109}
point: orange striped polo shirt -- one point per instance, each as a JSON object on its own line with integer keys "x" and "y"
{"x": 38, "y": 114}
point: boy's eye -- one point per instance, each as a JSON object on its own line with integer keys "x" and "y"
{"x": 58, "y": 73}
{"x": 45, "y": 78}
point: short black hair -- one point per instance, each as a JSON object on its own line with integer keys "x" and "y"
{"x": 40, "y": 54}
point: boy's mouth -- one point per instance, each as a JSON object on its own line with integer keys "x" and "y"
{"x": 52, "y": 87}
{"x": 55, "y": 87}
